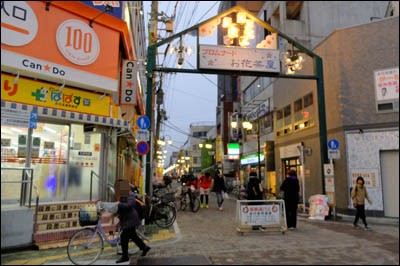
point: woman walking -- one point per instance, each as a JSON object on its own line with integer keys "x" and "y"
{"x": 358, "y": 195}
{"x": 219, "y": 188}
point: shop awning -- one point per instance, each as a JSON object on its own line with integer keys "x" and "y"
{"x": 67, "y": 115}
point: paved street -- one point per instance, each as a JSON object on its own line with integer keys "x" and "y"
{"x": 211, "y": 235}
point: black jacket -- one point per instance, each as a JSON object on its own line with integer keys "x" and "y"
{"x": 128, "y": 215}
{"x": 219, "y": 184}
{"x": 253, "y": 189}
{"x": 291, "y": 188}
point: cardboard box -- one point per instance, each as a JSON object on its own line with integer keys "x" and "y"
{"x": 121, "y": 188}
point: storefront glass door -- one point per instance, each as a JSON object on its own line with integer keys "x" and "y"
{"x": 62, "y": 158}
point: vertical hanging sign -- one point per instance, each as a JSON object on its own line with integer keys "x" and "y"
{"x": 129, "y": 83}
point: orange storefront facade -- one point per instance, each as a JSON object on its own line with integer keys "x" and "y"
{"x": 65, "y": 73}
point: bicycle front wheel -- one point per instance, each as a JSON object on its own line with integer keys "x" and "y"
{"x": 165, "y": 215}
{"x": 182, "y": 204}
{"x": 85, "y": 247}
{"x": 195, "y": 204}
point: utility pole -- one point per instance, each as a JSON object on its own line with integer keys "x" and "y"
{"x": 159, "y": 102}
{"x": 151, "y": 77}
{"x": 258, "y": 148}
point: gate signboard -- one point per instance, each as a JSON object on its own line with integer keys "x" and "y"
{"x": 239, "y": 59}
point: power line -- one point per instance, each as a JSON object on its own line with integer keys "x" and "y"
{"x": 207, "y": 12}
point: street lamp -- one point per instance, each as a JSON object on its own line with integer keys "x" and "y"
{"x": 248, "y": 126}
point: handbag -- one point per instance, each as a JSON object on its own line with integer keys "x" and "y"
{"x": 226, "y": 195}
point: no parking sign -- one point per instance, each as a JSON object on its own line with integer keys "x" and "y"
{"x": 142, "y": 147}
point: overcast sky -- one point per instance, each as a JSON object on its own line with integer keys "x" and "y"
{"x": 189, "y": 98}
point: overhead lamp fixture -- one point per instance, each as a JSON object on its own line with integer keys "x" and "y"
{"x": 15, "y": 81}
{"x": 182, "y": 51}
{"x": 247, "y": 125}
{"x": 292, "y": 60}
{"x": 234, "y": 124}
{"x": 107, "y": 8}
{"x": 241, "y": 29}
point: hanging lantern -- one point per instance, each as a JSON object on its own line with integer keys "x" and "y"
{"x": 226, "y": 22}
{"x": 233, "y": 31}
{"x": 241, "y": 18}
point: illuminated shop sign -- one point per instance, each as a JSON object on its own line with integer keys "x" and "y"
{"x": 57, "y": 45}
{"x": 53, "y": 96}
{"x": 251, "y": 159}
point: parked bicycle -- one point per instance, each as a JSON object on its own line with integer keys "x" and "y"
{"x": 86, "y": 245}
{"x": 189, "y": 196}
{"x": 161, "y": 210}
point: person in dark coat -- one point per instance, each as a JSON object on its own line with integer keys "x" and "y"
{"x": 254, "y": 189}
{"x": 129, "y": 220}
{"x": 219, "y": 188}
{"x": 291, "y": 189}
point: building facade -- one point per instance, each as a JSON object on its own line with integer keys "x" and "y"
{"x": 290, "y": 115}
{"x": 65, "y": 117}
{"x": 358, "y": 116}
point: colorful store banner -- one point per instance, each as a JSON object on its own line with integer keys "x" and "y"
{"x": 56, "y": 45}
{"x": 45, "y": 94}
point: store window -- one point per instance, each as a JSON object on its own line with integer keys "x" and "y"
{"x": 49, "y": 153}
{"x": 291, "y": 163}
{"x": 84, "y": 164}
{"x": 62, "y": 159}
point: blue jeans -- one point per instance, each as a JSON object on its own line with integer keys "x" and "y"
{"x": 220, "y": 198}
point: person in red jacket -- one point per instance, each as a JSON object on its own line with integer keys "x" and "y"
{"x": 191, "y": 181}
{"x": 205, "y": 183}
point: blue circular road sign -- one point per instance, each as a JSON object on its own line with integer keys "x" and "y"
{"x": 143, "y": 122}
{"x": 333, "y": 144}
{"x": 142, "y": 147}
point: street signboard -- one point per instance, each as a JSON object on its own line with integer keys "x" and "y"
{"x": 33, "y": 120}
{"x": 333, "y": 154}
{"x": 15, "y": 118}
{"x": 142, "y": 147}
{"x": 330, "y": 184}
{"x": 333, "y": 144}
{"x": 143, "y": 122}
{"x": 142, "y": 135}
{"x": 328, "y": 170}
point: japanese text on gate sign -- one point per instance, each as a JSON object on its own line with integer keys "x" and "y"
{"x": 241, "y": 59}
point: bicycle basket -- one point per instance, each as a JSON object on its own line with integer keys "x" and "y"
{"x": 168, "y": 197}
{"x": 87, "y": 218}
{"x": 196, "y": 193}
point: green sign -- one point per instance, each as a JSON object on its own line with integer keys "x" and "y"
{"x": 233, "y": 149}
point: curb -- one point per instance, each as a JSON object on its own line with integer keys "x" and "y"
{"x": 350, "y": 218}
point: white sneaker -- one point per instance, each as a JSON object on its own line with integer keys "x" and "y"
{"x": 221, "y": 209}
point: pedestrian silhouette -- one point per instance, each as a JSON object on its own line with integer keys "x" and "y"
{"x": 291, "y": 188}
